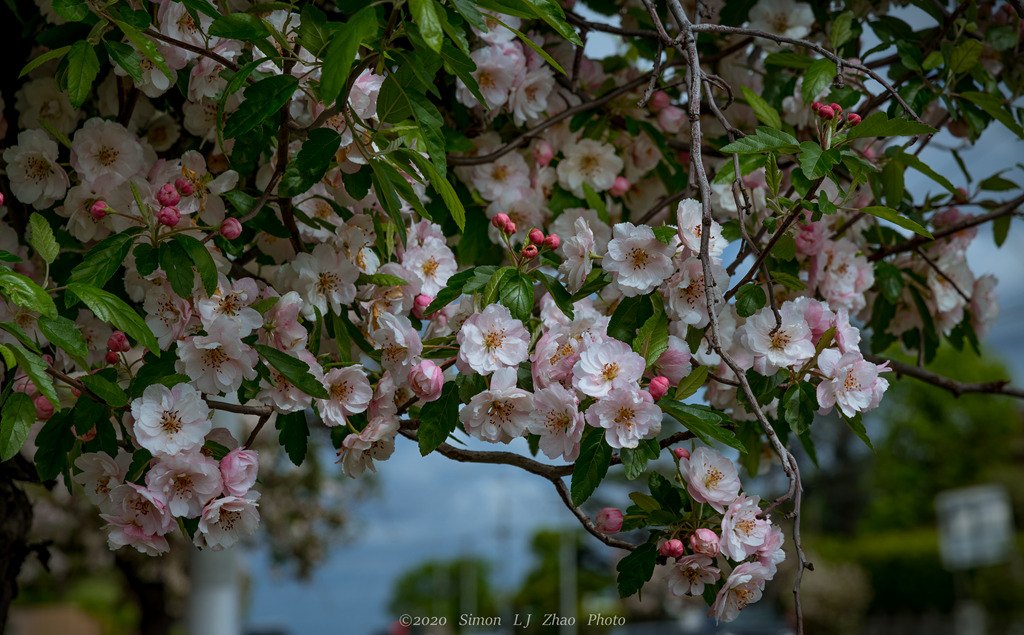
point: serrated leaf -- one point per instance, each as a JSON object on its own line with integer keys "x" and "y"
{"x": 841, "y": 31}
{"x": 25, "y": 293}
{"x": 993, "y": 106}
{"x": 83, "y": 67}
{"x": 341, "y": 53}
{"x": 635, "y": 460}
{"x": 879, "y": 125}
{"x": 516, "y": 293}
{"x": 425, "y": 15}
{"x": 294, "y": 435}
{"x": 313, "y": 31}
{"x": 441, "y": 186}
{"x": 438, "y": 419}
{"x": 110, "y": 308}
{"x": 857, "y": 425}
{"x": 558, "y": 293}
{"x": 62, "y": 332}
{"x": 750, "y": 298}
{"x": 591, "y": 466}
{"x": 311, "y": 162}
{"x": 965, "y": 56}
{"x": 112, "y": 394}
{"x": 296, "y": 371}
{"x": 177, "y": 266}
{"x": 763, "y": 140}
{"x": 773, "y": 175}
{"x": 817, "y": 78}
{"x": 891, "y": 215}
{"x": 104, "y": 259}
{"x": 16, "y": 419}
{"x": 201, "y": 258}
{"x": 798, "y": 407}
{"x": 398, "y": 101}
{"x": 652, "y": 338}
{"x": 690, "y": 384}
{"x": 39, "y": 60}
{"x": 34, "y": 366}
{"x": 71, "y": 10}
{"x": 239, "y": 26}
{"x": 636, "y": 569}
{"x": 762, "y": 109}
{"x": 146, "y": 47}
{"x": 263, "y": 100}
{"x": 702, "y": 421}
{"x": 889, "y": 279}
{"x": 127, "y": 58}
{"x": 815, "y": 162}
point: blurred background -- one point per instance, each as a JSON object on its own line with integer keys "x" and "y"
{"x": 921, "y": 535}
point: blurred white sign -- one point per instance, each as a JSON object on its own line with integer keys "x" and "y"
{"x": 975, "y": 526}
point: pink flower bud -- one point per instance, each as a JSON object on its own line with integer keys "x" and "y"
{"x": 816, "y": 106}
{"x": 608, "y": 520}
{"x": 238, "y": 468}
{"x": 619, "y": 187}
{"x": 167, "y": 195}
{"x": 530, "y": 252}
{"x": 705, "y": 542}
{"x": 681, "y": 453}
{"x": 672, "y": 548}
{"x": 426, "y": 380}
{"x": 76, "y": 392}
{"x": 543, "y": 153}
{"x": 536, "y": 236}
{"x": 99, "y": 209}
{"x": 168, "y": 216}
{"x": 659, "y": 101}
{"x": 231, "y": 228}
{"x": 552, "y": 241}
{"x": 826, "y": 112}
{"x": 671, "y": 119}
{"x": 500, "y": 220}
{"x": 836, "y": 108}
{"x": 112, "y": 357}
{"x": 44, "y": 409}
{"x": 1, "y": 198}
{"x": 184, "y": 187}
{"x": 510, "y": 228}
{"x": 659, "y": 387}
{"x": 420, "y": 305}
{"x": 118, "y": 342}
{"x": 961, "y": 194}
{"x": 853, "y": 118}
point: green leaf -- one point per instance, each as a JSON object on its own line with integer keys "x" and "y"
{"x": 294, "y": 435}
{"x": 798, "y": 407}
{"x": 450, "y": 293}
{"x": 314, "y": 33}
{"x": 893, "y": 185}
{"x": 517, "y": 294}
{"x": 558, "y": 293}
{"x": 652, "y": 338}
{"x": 815, "y": 162}
{"x": 35, "y": 368}
{"x": 627, "y": 318}
{"x": 551, "y": 12}
{"x": 175, "y": 262}
{"x": 294, "y": 370}
{"x": 965, "y": 56}
{"x": 424, "y": 14}
{"x": 788, "y": 59}
{"x": 993, "y": 106}
{"x": 690, "y": 384}
{"x": 25, "y": 293}
{"x": 763, "y": 140}
{"x": 54, "y": 442}
{"x": 71, "y": 10}
{"x": 467, "y": 9}
{"x": 341, "y": 53}
{"x": 879, "y": 125}
{"x": 6, "y": 256}
{"x": 912, "y": 161}
{"x": 438, "y": 419}
{"x": 239, "y": 26}
{"x": 762, "y": 109}
{"x": 110, "y": 308}
{"x": 127, "y": 58}
{"x": 262, "y": 100}
{"x": 773, "y": 175}
{"x": 634, "y": 460}
{"x": 702, "y": 421}
{"x": 108, "y": 391}
{"x": 20, "y": 335}
{"x": 398, "y": 101}
{"x": 841, "y": 31}
{"x": 381, "y": 280}
{"x": 857, "y": 425}
{"x": 750, "y": 298}
{"x": 310, "y": 163}
{"x": 16, "y": 419}
{"x": 818, "y": 77}
{"x": 595, "y": 202}
{"x": 891, "y": 215}
{"x": 146, "y": 47}
{"x": 785, "y": 247}
{"x": 591, "y": 466}
{"x": 201, "y": 258}
{"x": 1000, "y": 230}
{"x": 104, "y": 259}
{"x": 39, "y": 60}
{"x": 636, "y": 569}
{"x": 748, "y": 163}
{"x": 462, "y": 66}
{"x": 64, "y": 333}
{"x": 889, "y": 279}
{"x": 83, "y": 67}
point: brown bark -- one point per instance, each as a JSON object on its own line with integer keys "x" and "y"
{"x": 15, "y": 521}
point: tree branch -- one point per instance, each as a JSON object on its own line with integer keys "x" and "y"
{"x": 998, "y": 387}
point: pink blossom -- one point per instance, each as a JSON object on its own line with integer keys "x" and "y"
{"x": 604, "y": 365}
{"x": 219, "y": 361}
{"x": 281, "y": 328}
{"x": 426, "y": 380}
{"x": 743, "y": 532}
{"x": 399, "y": 344}
{"x": 557, "y": 420}
{"x": 608, "y": 520}
{"x": 238, "y": 470}
{"x": 134, "y": 506}
{"x": 500, "y": 413}
{"x": 186, "y": 481}
{"x": 670, "y": 119}
{"x": 672, "y": 548}
{"x": 348, "y": 392}
{"x": 627, "y": 414}
{"x": 282, "y": 394}
{"x": 984, "y": 304}
{"x": 674, "y": 363}
{"x": 659, "y": 101}
{"x": 851, "y": 382}
{"x": 231, "y": 228}
{"x": 225, "y": 521}
{"x": 705, "y": 542}
{"x": 777, "y": 346}
{"x": 230, "y": 301}
{"x": 691, "y": 573}
{"x": 659, "y": 387}
{"x": 491, "y": 340}
{"x": 170, "y": 420}
{"x": 690, "y": 226}
{"x": 543, "y": 153}
{"x": 376, "y": 442}
{"x": 686, "y": 296}
{"x": 553, "y": 358}
{"x": 743, "y": 587}
{"x": 710, "y": 478}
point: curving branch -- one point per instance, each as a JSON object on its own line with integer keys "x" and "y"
{"x": 998, "y": 387}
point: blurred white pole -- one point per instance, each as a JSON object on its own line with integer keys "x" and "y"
{"x": 214, "y": 601}
{"x": 567, "y": 582}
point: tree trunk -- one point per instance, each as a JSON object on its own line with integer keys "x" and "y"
{"x": 15, "y": 521}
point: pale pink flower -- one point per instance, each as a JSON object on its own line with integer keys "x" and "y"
{"x": 35, "y": 177}
{"x": 137, "y": 516}
{"x": 607, "y": 364}
{"x": 565, "y": 225}
{"x": 710, "y": 478}
{"x": 506, "y": 173}
{"x": 430, "y": 265}
{"x": 743, "y": 587}
{"x": 225, "y": 521}
{"x": 770, "y": 554}
{"x": 785, "y": 346}
{"x": 627, "y": 414}
{"x": 674, "y": 363}
{"x": 576, "y": 256}
{"x": 690, "y": 226}
{"x": 690, "y": 573}
{"x": 100, "y": 474}
{"x": 105, "y": 154}
{"x": 495, "y": 73}
{"x": 639, "y": 261}
{"x": 847, "y": 335}
{"x": 376, "y": 442}
{"x": 742, "y": 531}
{"x": 984, "y": 304}
{"x": 819, "y": 316}
{"x": 167, "y": 315}
{"x": 362, "y": 99}
{"x": 170, "y": 420}
{"x": 850, "y": 382}
{"x": 349, "y": 393}
{"x": 186, "y": 481}
{"x": 230, "y": 301}
{"x": 557, "y": 420}
{"x": 553, "y": 358}
{"x": 686, "y": 296}
{"x": 843, "y": 275}
{"x": 219, "y": 361}
{"x": 399, "y": 344}
{"x": 124, "y": 534}
{"x": 591, "y": 162}
{"x": 783, "y": 17}
{"x": 282, "y": 394}
{"x": 238, "y": 470}
{"x": 529, "y": 99}
{"x": 500, "y": 413}
{"x": 281, "y": 328}
{"x": 426, "y": 380}
{"x": 324, "y": 278}
{"x": 705, "y": 542}
{"x": 491, "y": 340}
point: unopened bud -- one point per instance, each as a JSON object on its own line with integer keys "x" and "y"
{"x": 552, "y": 241}
{"x": 112, "y": 357}
{"x": 500, "y": 220}
{"x": 536, "y": 236}
{"x": 420, "y": 305}
{"x": 836, "y": 108}
{"x": 543, "y": 153}
{"x": 816, "y": 106}
{"x": 184, "y": 187}
{"x": 231, "y": 228}
{"x": 510, "y": 228}
{"x": 167, "y": 195}
{"x": 681, "y": 453}
{"x": 608, "y": 520}
{"x": 118, "y": 342}
{"x": 659, "y": 387}
{"x": 44, "y": 409}
{"x": 99, "y": 209}
{"x": 853, "y": 118}
{"x": 672, "y": 548}
{"x": 619, "y": 187}
{"x": 826, "y": 112}
{"x": 530, "y": 252}
{"x": 659, "y": 101}
{"x": 705, "y": 542}
{"x": 168, "y": 216}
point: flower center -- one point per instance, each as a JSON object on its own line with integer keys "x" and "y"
{"x": 430, "y": 266}
{"x": 780, "y": 339}
{"x": 639, "y": 258}
{"x": 624, "y": 416}
{"x": 610, "y": 371}
{"x": 328, "y": 281}
{"x": 340, "y": 391}
{"x": 37, "y": 168}
{"x": 712, "y": 477}
{"x": 171, "y": 423}
{"x": 106, "y": 156}
{"x": 494, "y": 339}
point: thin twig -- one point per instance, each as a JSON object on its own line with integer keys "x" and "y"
{"x": 998, "y": 387}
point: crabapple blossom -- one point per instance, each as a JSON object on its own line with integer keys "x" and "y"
{"x": 743, "y": 532}
{"x": 167, "y": 315}
{"x": 686, "y": 298}
{"x": 231, "y": 228}
{"x": 325, "y": 279}
{"x": 557, "y": 420}
{"x": 281, "y": 328}
{"x": 672, "y": 548}
{"x": 500, "y": 413}
{"x": 627, "y": 414}
{"x": 282, "y": 394}
{"x": 850, "y": 382}
{"x": 779, "y": 346}
{"x": 185, "y": 481}
{"x": 376, "y": 442}
{"x": 230, "y": 302}
{"x": 219, "y": 361}
{"x": 690, "y": 225}
{"x": 225, "y": 521}
{"x": 133, "y": 505}
{"x": 508, "y": 173}
{"x": 608, "y": 520}
{"x": 105, "y": 154}
{"x": 659, "y": 387}
{"x": 100, "y": 474}
{"x": 591, "y": 162}
{"x": 674, "y": 363}
{"x": 554, "y": 356}
{"x": 426, "y": 380}
{"x": 170, "y": 420}
{"x": 349, "y": 393}
{"x": 238, "y": 471}
{"x": 710, "y": 478}
{"x": 638, "y": 259}
{"x": 742, "y": 588}
{"x": 399, "y": 344}
{"x": 576, "y": 251}
{"x": 690, "y": 573}
{"x": 35, "y": 177}
{"x": 492, "y": 340}
{"x": 604, "y": 365}
{"x": 681, "y": 453}
{"x": 704, "y": 542}
{"x": 430, "y": 264}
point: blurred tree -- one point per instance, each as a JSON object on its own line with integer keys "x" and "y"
{"x": 445, "y": 589}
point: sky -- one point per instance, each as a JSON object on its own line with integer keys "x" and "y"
{"x": 434, "y": 508}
